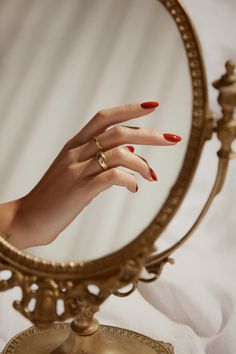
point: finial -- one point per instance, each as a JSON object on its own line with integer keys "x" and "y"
{"x": 228, "y": 78}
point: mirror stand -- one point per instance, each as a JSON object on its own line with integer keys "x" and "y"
{"x": 85, "y": 335}
{"x": 62, "y": 338}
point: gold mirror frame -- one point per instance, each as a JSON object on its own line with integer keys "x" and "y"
{"x": 122, "y": 267}
{"x": 196, "y": 142}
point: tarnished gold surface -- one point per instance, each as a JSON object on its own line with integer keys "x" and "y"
{"x": 107, "y": 340}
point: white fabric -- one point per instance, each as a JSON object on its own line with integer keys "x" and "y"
{"x": 193, "y": 304}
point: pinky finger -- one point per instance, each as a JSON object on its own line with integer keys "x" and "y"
{"x": 111, "y": 177}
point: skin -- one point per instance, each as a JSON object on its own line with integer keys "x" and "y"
{"x": 75, "y": 178}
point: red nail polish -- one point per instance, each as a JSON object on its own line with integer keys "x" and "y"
{"x": 131, "y": 148}
{"x": 149, "y": 104}
{"x": 142, "y": 158}
{"x": 136, "y": 188}
{"x": 154, "y": 176}
{"x": 172, "y": 138}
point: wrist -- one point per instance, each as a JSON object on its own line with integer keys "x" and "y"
{"x": 12, "y": 224}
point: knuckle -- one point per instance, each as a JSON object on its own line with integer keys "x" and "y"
{"x": 101, "y": 114}
{"x": 67, "y": 145}
{"x": 117, "y": 154}
{"x": 153, "y": 133}
{"x": 71, "y": 172}
{"x": 113, "y": 174}
{"x": 70, "y": 156}
{"x": 119, "y": 131}
{"x": 122, "y": 154}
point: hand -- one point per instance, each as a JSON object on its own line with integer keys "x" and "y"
{"x": 75, "y": 177}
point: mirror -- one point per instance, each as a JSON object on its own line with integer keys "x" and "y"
{"x": 61, "y": 62}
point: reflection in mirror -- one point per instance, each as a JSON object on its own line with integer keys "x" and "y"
{"x": 61, "y": 62}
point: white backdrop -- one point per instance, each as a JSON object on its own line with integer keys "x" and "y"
{"x": 193, "y": 304}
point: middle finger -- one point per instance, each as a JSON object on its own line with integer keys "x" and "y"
{"x": 120, "y": 135}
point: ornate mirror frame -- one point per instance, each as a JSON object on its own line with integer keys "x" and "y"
{"x": 65, "y": 280}
{"x": 84, "y": 286}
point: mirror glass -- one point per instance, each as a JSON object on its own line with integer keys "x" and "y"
{"x": 60, "y": 63}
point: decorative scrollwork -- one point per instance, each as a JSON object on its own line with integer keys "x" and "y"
{"x": 42, "y": 294}
{"x": 156, "y": 269}
{"x": 14, "y": 279}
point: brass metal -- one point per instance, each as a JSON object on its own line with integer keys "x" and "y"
{"x": 60, "y": 339}
{"x": 83, "y": 286}
{"x": 225, "y": 128}
{"x": 102, "y": 160}
{"x": 75, "y": 291}
{"x": 97, "y": 143}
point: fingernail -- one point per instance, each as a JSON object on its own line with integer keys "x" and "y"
{"x": 154, "y": 176}
{"x": 143, "y": 159}
{"x": 131, "y": 148}
{"x": 136, "y": 188}
{"x": 149, "y": 104}
{"x": 128, "y": 126}
{"x": 172, "y": 138}
{"x": 152, "y": 173}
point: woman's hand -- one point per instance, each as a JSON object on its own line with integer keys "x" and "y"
{"x": 75, "y": 177}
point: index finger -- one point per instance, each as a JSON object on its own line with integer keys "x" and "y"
{"x": 110, "y": 116}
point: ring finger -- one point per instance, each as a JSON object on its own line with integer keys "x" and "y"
{"x": 120, "y": 156}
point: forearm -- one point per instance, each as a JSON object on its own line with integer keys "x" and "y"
{"x": 10, "y": 224}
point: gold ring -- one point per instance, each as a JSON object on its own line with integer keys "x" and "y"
{"x": 97, "y": 143}
{"x": 102, "y": 160}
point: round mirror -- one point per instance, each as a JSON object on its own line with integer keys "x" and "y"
{"x": 61, "y": 62}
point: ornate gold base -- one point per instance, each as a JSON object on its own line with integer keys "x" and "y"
{"x": 60, "y": 339}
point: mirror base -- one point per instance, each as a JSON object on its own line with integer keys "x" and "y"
{"x": 61, "y": 339}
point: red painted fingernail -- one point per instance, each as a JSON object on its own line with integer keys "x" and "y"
{"x": 172, "y": 138}
{"x": 136, "y": 188}
{"x": 131, "y": 148}
{"x": 149, "y": 104}
{"x": 142, "y": 158}
{"x": 154, "y": 176}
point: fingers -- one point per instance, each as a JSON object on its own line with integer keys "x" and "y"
{"x": 120, "y": 135}
{"x": 121, "y": 156}
{"x": 112, "y": 177}
{"x": 107, "y": 117}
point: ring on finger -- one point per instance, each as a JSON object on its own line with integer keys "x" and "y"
{"x": 98, "y": 143}
{"x": 102, "y": 160}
